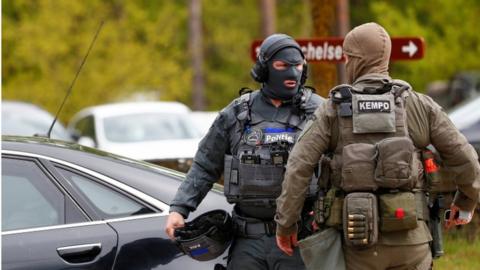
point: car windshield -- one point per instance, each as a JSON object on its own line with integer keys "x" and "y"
{"x": 149, "y": 127}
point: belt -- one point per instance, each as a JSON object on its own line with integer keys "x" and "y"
{"x": 251, "y": 227}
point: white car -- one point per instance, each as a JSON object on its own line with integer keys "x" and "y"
{"x": 466, "y": 114}
{"x": 27, "y": 119}
{"x": 203, "y": 120}
{"x": 466, "y": 117}
{"x": 158, "y": 132}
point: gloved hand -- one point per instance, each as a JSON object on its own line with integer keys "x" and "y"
{"x": 458, "y": 217}
{"x": 287, "y": 243}
{"x": 175, "y": 220}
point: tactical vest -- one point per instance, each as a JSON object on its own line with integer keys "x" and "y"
{"x": 373, "y": 150}
{"x": 375, "y": 164}
{"x": 254, "y": 172}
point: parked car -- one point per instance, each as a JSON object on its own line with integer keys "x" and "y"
{"x": 460, "y": 88}
{"x": 466, "y": 118}
{"x": 157, "y": 132}
{"x": 203, "y": 120}
{"x": 26, "y": 119}
{"x": 66, "y": 206}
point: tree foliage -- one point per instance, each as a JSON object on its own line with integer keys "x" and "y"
{"x": 449, "y": 29}
{"x": 144, "y": 45}
{"x": 139, "y": 48}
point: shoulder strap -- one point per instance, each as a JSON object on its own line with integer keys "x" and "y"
{"x": 301, "y": 102}
{"x": 341, "y": 101}
{"x": 301, "y": 111}
{"x": 341, "y": 93}
{"x": 334, "y": 132}
{"x": 243, "y": 110}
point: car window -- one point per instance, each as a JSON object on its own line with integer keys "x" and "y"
{"x": 108, "y": 202}
{"x": 29, "y": 198}
{"x": 149, "y": 127}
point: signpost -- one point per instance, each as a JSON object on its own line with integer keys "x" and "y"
{"x": 330, "y": 49}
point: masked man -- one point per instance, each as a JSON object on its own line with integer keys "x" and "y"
{"x": 373, "y": 129}
{"x": 250, "y": 142}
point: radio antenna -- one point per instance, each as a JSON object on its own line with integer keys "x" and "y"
{"x": 75, "y": 78}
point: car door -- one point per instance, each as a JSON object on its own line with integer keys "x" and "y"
{"x": 142, "y": 242}
{"x": 43, "y": 227}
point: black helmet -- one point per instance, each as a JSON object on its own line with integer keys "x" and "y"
{"x": 207, "y": 236}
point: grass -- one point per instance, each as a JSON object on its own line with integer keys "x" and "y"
{"x": 459, "y": 253}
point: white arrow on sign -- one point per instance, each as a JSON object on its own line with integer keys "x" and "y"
{"x": 411, "y": 49}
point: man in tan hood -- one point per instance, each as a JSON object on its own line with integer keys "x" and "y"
{"x": 373, "y": 131}
{"x": 367, "y": 49}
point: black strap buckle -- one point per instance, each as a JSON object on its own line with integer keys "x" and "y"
{"x": 240, "y": 226}
{"x": 270, "y": 228}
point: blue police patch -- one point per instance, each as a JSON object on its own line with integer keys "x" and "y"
{"x": 273, "y": 135}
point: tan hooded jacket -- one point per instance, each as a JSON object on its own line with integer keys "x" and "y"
{"x": 427, "y": 124}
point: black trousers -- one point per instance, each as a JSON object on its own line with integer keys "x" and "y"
{"x": 261, "y": 253}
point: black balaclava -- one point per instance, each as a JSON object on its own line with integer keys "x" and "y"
{"x": 275, "y": 86}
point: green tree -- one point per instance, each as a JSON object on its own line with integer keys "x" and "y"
{"x": 143, "y": 47}
{"x": 449, "y": 29}
{"x": 139, "y": 48}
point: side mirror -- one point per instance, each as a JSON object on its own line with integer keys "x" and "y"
{"x": 86, "y": 141}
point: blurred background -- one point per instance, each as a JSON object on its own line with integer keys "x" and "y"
{"x": 197, "y": 52}
{"x": 196, "y": 55}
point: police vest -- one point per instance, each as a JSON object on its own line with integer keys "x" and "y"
{"x": 373, "y": 149}
{"x": 253, "y": 174}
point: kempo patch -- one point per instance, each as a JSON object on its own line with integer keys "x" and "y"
{"x": 374, "y": 106}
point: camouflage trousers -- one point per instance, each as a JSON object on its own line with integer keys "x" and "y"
{"x": 381, "y": 257}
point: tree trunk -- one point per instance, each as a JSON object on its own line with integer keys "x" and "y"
{"x": 268, "y": 15}
{"x": 343, "y": 22}
{"x": 196, "y": 52}
{"x": 323, "y": 74}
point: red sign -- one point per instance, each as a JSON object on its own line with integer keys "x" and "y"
{"x": 407, "y": 48}
{"x": 330, "y": 49}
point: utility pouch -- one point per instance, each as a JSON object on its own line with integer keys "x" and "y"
{"x": 360, "y": 220}
{"x": 358, "y": 167}
{"x": 398, "y": 211}
{"x": 319, "y": 210}
{"x": 439, "y": 179}
{"x": 332, "y": 204}
{"x": 335, "y": 217}
{"x": 230, "y": 182}
{"x": 260, "y": 179}
{"x": 395, "y": 165}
